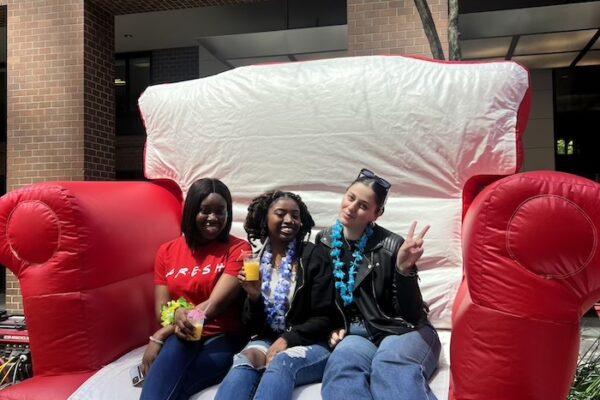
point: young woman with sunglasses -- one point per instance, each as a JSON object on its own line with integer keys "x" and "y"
{"x": 386, "y": 348}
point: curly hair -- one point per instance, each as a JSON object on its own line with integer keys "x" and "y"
{"x": 256, "y": 221}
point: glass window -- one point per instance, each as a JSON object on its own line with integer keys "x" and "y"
{"x": 132, "y": 77}
{"x": 560, "y": 147}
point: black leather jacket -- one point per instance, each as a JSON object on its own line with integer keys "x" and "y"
{"x": 389, "y": 302}
{"x": 309, "y": 318}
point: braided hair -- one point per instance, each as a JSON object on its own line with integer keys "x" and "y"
{"x": 256, "y": 221}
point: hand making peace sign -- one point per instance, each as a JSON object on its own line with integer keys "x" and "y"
{"x": 411, "y": 250}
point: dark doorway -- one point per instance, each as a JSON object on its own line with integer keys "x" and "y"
{"x": 577, "y": 121}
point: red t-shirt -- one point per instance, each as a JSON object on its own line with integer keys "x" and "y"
{"x": 194, "y": 277}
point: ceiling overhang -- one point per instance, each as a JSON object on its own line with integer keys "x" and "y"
{"x": 220, "y": 53}
{"x": 284, "y": 43}
{"x": 120, "y": 7}
{"x": 557, "y": 36}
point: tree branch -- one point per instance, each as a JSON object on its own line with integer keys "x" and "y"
{"x": 453, "y": 33}
{"x": 430, "y": 31}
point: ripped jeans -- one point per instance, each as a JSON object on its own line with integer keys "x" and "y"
{"x": 296, "y": 366}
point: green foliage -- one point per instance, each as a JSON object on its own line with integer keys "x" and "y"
{"x": 586, "y": 385}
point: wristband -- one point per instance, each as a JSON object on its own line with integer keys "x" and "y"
{"x": 155, "y": 340}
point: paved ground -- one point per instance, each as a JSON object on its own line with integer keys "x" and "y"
{"x": 590, "y": 331}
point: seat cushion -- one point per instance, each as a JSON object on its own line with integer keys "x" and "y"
{"x": 113, "y": 382}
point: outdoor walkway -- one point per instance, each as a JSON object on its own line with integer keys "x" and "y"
{"x": 590, "y": 330}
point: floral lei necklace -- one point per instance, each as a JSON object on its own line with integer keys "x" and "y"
{"x": 346, "y": 289}
{"x": 277, "y": 308}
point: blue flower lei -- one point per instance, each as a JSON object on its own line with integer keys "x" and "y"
{"x": 277, "y": 308}
{"x": 346, "y": 289}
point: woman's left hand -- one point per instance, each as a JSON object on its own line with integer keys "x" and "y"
{"x": 149, "y": 356}
{"x": 277, "y": 347}
{"x": 183, "y": 328}
{"x": 411, "y": 250}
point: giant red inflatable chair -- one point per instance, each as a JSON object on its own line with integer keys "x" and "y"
{"x": 511, "y": 261}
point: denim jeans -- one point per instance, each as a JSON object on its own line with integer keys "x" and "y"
{"x": 398, "y": 369}
{"x": 183, "y": 368}
{"x": 296, "y": 366}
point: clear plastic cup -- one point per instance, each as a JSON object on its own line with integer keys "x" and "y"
{"x": 196, "y": 318}
{"x": 252, "y": 267}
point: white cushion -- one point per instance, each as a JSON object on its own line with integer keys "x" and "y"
{"x": 113, "y": 382}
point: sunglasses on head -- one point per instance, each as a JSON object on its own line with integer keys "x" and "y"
{"x": 367, "y": 173}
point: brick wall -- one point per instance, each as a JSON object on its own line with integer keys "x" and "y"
{"x": 393, "y": 27}
{"x": 174, "y": 65}
{"x": 45, "y": 91}
{"x": 99, "y": 94}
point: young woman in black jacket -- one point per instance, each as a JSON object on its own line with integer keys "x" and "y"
{"x": 289, "y": 310}
{"x": 385, "y": 348}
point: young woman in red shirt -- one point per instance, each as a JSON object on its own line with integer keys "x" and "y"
{"x": 197, "y": 269}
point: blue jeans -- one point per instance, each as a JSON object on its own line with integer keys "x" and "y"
{"x": 398, "y": 369}
{"x": 296, "y": 366}
{"x": 183, "y": 368}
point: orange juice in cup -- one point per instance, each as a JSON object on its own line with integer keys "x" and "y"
{"x": 251, "y": 267}
{"x": 196, "y": 318}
